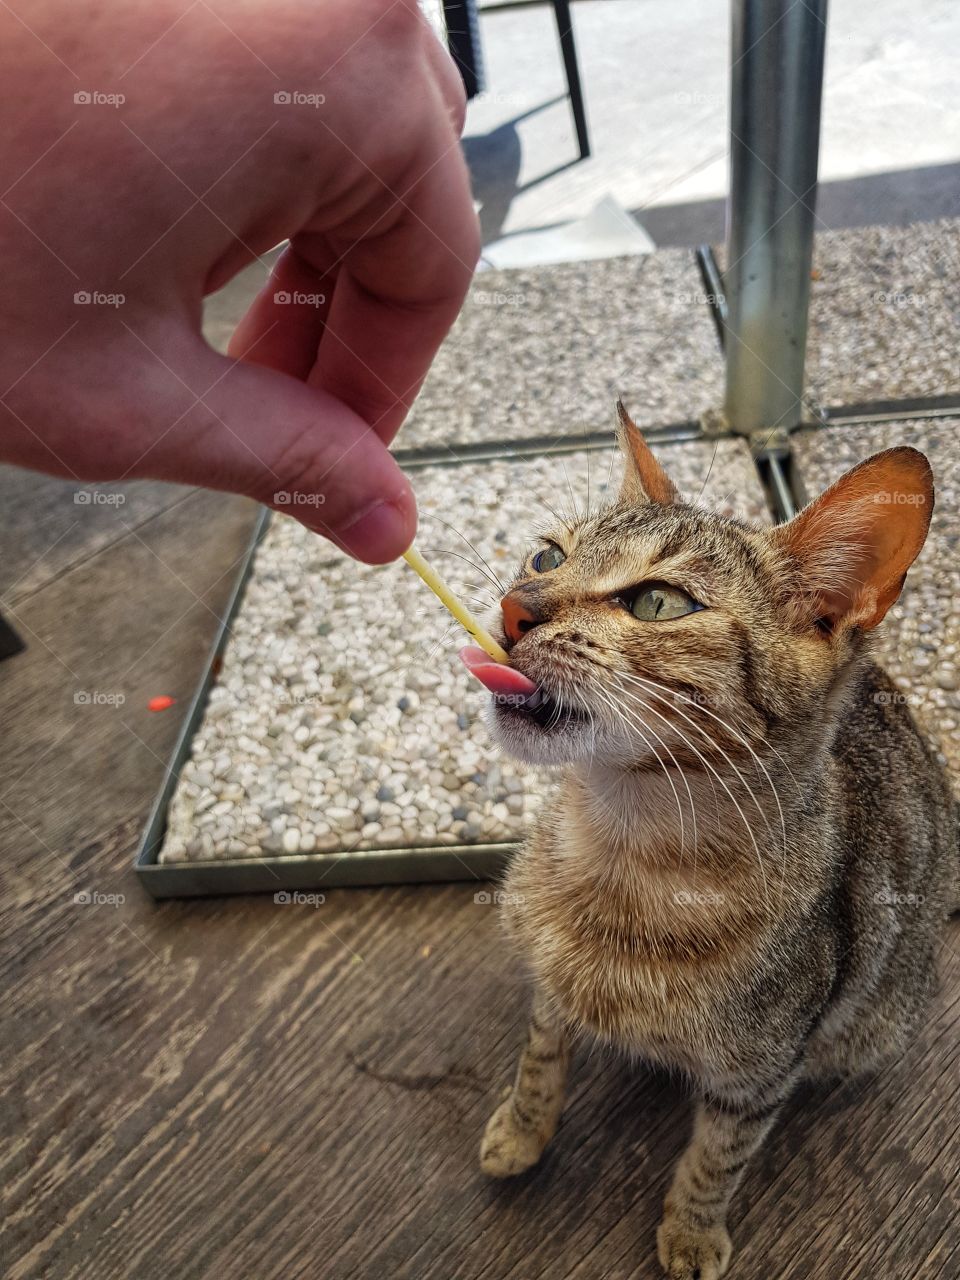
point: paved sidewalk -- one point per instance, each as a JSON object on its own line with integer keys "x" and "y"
{"x": 656, "y": 82}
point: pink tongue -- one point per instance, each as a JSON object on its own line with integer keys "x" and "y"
{"x": 494, "y": 675}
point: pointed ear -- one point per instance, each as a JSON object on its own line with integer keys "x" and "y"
{"x": 855, "y": 543}
{"x": 644, "y": 480}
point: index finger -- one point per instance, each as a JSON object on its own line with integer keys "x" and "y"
{"x": 397, "y": 294}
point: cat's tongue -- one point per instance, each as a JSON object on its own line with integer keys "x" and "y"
{"x": 495, "y": 676}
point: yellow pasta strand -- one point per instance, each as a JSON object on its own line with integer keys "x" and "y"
{"x": 462, "y": 614}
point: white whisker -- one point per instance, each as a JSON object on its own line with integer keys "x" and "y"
{"x": 631, "y": 721}
{"x": 652, "y": 684}
{"x": 646, "y": 705}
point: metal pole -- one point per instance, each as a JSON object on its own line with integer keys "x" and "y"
{"x": 568, "y": 49}
{"x": 775, "y": 92}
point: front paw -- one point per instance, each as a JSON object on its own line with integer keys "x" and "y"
{"x": 689, "y": 1252}
{"x": 508, "y": 1148}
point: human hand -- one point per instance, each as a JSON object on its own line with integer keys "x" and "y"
{"x": 163, "y": 197}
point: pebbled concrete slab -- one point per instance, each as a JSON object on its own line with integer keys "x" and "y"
{"x": 546, "y": 351}
{"x": 918, "y": 641}
{"x": 884, "y": 313}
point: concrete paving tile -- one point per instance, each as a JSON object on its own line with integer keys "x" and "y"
{"x": 885, "y": 313}
{"x": 546, "y": 351}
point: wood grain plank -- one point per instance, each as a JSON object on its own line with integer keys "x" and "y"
{"x": 46, "y": 530}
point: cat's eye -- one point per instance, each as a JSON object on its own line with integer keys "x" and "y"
{"x": 549, "y": 558}
{"x": 659, "y": 603}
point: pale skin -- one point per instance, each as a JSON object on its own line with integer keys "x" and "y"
{"x": 164, "y": 197}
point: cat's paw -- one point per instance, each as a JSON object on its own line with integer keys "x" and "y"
{"x": 689, "y": 1252}
{"x": 507, "y": 1147}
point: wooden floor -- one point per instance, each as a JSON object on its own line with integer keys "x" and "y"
{"x": 236, "y": 1088}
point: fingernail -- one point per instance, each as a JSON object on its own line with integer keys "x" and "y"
{"x": 380, "y": 532}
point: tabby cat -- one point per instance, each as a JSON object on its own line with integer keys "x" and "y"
{"x": 744, "y": 870}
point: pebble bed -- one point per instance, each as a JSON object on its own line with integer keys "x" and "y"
{"x": 885, "y": 313}
{"x": 342, "y": 718}
{"x": 919, "y": 640}
{"x": 567, "y": 340}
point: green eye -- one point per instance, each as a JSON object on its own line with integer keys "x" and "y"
{"x": 658, "y": 604}
{"x": 550, "y": 558}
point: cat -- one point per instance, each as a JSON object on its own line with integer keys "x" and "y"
{"x": 745, "y": 867}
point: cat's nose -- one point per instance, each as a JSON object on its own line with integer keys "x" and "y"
{"x": 517, "y": 618}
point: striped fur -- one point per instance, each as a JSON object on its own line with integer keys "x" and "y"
{"x": 751, "y": 849}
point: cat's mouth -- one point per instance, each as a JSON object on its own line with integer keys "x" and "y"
{"x": 519, "y": 698}
{"x": 544, "y": 710}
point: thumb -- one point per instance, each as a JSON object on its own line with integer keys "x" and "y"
{"x": 251, "y": 430}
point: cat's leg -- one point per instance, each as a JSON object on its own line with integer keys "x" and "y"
{"x": 524, "y": 1123}
{"x": 692, "y": 1239}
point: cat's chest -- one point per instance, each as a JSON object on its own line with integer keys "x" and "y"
{"x": 615, "y": 969}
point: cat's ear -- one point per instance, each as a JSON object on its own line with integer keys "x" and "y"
{"x": 855, "y": 543}
{"x": 644, "y": 480}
